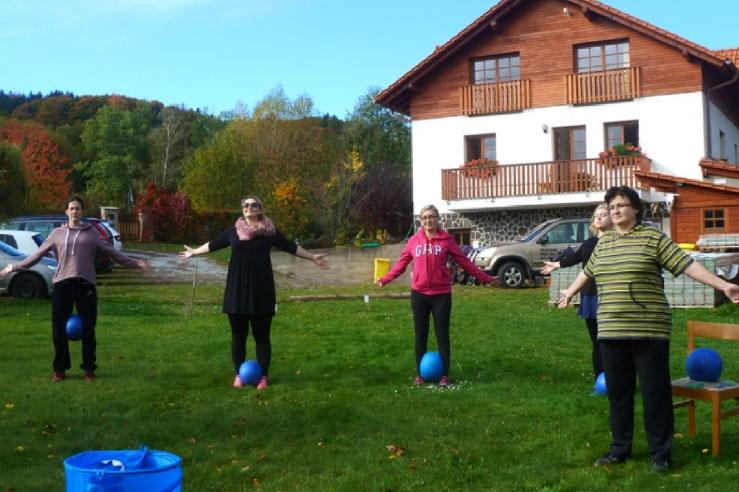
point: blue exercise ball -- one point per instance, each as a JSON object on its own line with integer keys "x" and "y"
{"x": 250, "y": 372}
{"x": 74, "y": 327}
{"x": 431, "y": 366}
{"x": 600, "y": 384}
{"x": 704, "y": 364}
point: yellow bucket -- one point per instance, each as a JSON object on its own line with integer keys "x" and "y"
{"x": 687, "y": 246}
{"x": 382, "y": 266}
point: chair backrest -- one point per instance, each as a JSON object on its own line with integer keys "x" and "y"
{"x": 721, "y": 331}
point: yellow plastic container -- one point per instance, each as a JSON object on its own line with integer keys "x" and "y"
{"x": 382, "y": 266}
{"x": 687, "y": 246}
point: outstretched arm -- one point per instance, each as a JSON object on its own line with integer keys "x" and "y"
{"x": 200, "y": 250}
{"x": 698, "y": 272}
{"x": 573, "y": 289}
{"x": 319, "y": 260}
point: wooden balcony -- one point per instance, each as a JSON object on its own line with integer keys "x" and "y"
{"x": 503, "y": 97}
{"x": 542, "y": 178}
{"x": 599, "y": 87}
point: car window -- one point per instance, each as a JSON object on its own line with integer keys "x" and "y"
{"x": 9, "y": 240}
{"x": 562, "y": 233}
{"x": 38, "y": 239}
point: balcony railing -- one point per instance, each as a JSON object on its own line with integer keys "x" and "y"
{"x": 542, "y": 178}
{"x": 503, "y": 97}
{"x": 599, "y": 87}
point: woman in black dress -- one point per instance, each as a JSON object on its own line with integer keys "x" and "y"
{"x": 589, "y": 295}
{"x": 249, "y": 298}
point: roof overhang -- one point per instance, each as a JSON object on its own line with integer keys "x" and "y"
{"x": 672, "y": 184}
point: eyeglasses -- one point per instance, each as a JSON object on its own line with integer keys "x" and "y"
{"x": 251, "y": 205}
{"x": 429, "y": 217}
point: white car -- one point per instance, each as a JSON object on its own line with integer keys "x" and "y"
{"x": 37, "y": 281}
{"x": 117, "y": 242}
{"x": 27, "y": 242}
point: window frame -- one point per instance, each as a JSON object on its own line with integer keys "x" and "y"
{"x": 723, "y": 218}
{"x": 602, "y": 46}
{"x": 623, "y": 125}
{"x": 481, "y": 148}
{"x": 496, "y": 69}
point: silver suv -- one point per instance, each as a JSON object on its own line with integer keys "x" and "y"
{"x": 518, "y": 261}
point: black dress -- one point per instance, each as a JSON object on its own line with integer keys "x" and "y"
{"x": 250, "y": 284}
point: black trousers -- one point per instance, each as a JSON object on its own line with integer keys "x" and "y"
{"x": 623, "y": 361}
{"x": 260, "y": 324}
{"x": 68, "y": 294}
{"x": 597, "y": 359}
{"x": 440, "y": 306}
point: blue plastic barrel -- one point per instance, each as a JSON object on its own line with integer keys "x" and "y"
{"x": 123, "y": 471}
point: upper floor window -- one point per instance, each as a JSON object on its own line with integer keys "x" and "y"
{"x": 603, "y": 56}
{"x": 722, "y": 145}
{"x": 480, "y": 147}
{"x": 496, "y": 69}
{"x": 622, "y": 133}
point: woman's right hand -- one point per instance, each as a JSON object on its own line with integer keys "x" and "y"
{"x": 565, "y": 298}
{"x": 378, "y": 284}
{"x": 183, "y": 255}
{"x": 8, "y": 268}
{"x": 549, "y": 267}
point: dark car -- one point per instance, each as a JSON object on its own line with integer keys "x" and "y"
{"x": 44, "y": 224}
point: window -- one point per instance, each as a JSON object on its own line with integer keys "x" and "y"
{"x": 562, "y": 233}
{"x": 569, "y": 143}
{"x": 9, "y": 240}
{"x": 622, "y": 133}
{"x": 605, "y": 56}
{"x": 480, "y": 147}
{"x": 713, "y": 220}
{"x": 497, "y": 69}
{"x": 736, "y": 154}
{"x": 461, "y": 236}
{"x": 722, "y": 145}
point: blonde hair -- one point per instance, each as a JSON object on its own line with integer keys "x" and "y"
{"x": 601, "y": 206}
{"x": 260, "y": 216}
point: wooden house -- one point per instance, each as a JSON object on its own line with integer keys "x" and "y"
{"x": 513, "y": 118}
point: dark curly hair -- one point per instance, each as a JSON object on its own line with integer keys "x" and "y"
{"x": 630, "y": 194}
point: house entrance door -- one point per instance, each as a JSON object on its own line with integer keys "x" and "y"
{"x": 569, "y": 147}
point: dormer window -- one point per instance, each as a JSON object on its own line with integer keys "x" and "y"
{"x": 496, "y": 69}
{"x": 603, "y": 56}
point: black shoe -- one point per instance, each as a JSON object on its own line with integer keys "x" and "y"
{"x": 611, "y": 459}
{"x": 660, "y": 465}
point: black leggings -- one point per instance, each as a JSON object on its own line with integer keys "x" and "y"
{"x": 440, "y": 306}
{"x": 592, "y": 325}
{"x": 260, "y": 324}
{"x": 66, "y": 295}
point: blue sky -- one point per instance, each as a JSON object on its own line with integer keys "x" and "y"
{"x": 217, "y": 54}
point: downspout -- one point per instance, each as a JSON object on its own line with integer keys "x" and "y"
{"x": 707, "y": 103}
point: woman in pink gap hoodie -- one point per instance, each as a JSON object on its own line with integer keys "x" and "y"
{"x": 431, "y": 285}
{"x": 75, "y": 244}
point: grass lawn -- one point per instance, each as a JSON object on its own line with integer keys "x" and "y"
{"x": 341, "y": 413}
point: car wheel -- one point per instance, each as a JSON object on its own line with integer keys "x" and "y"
{"x": 512, "y": 275}
{"x": 27, "y": 286}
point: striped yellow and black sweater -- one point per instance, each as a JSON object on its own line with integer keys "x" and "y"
{"x": 628, "y": 271}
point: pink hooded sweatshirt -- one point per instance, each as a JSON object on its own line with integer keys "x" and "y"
{"x": 430, "y": 257}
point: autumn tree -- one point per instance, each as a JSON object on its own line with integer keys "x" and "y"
{"x": 46, "y": 167}
{"x": 13, "y": 187}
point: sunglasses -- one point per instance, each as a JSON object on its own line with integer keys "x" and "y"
{"x": 251, "y": 205}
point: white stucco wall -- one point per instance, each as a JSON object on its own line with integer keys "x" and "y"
{"x": 719, "y": 122}
{"x": 671, "y": 133}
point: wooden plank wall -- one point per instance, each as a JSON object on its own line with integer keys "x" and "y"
{"x": 687, "y": 213}
{"x": 545, "y": 37}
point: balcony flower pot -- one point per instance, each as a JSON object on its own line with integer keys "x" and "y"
{"x": 479, "y": 168}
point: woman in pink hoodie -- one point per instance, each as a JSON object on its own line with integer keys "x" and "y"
{"x": 75, "y": 245}
{"x": 430, "y": 250}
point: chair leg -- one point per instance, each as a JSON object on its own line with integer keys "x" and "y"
{"x": 691, "y": 418}
{"x": 716, "y": 410}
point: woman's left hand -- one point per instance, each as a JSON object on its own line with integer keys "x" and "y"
{"x": 321, "y": 261}
{"x": 144, "y": 265}
{"x": 732, "y": 292}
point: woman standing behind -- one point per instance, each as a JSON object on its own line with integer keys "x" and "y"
{"x": 635, "y": 321}
{"x": 75, "y": 244}
{"x": 249, "y": 298}
{"x": 588, "y": 308}
{"x": 431, "y": 291}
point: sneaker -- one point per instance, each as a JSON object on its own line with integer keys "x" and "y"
{"x": 444, "y": 382}
{"x": 237, "y": 382}
{"x": 660, "y": 465}
{"x": 611, "y": 459}
{"x": 418, "y": 381}
{"x": 58, "y": 376}
{"x": 90, "y": 376}
{"x": 263, "y": 383}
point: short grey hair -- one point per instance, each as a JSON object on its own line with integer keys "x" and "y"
{"x": 428, "y": 207}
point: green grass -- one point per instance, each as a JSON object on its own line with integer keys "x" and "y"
{"x": 519, "y": 418}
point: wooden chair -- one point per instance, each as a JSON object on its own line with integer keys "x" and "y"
{"x": 712, "y": 392}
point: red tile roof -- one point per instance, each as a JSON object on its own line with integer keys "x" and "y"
{"x": 729, "y": 54}
{"x": 396, "y": 95}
